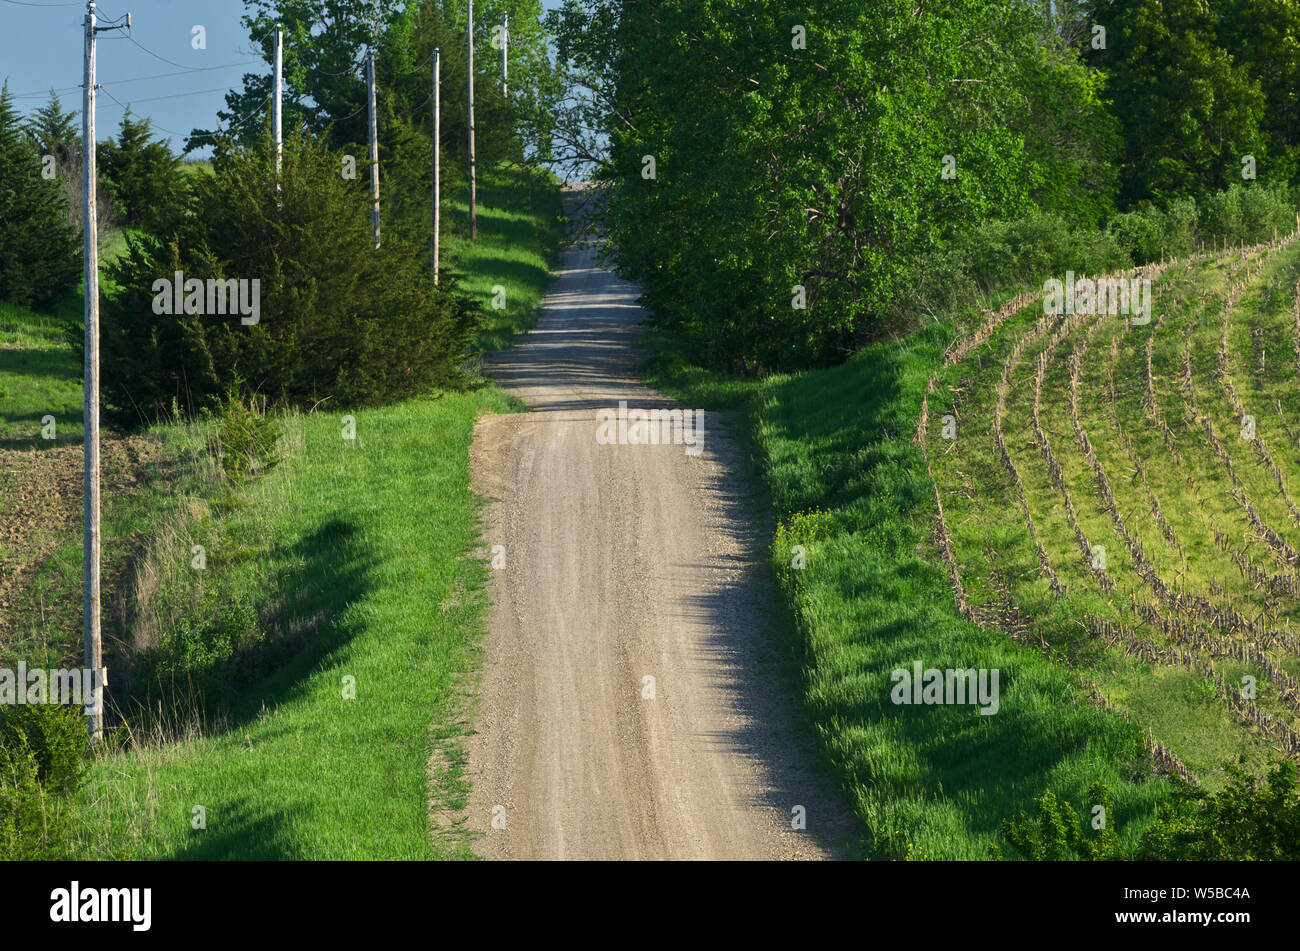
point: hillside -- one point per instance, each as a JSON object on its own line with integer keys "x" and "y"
{"x": 1122, "y": 495}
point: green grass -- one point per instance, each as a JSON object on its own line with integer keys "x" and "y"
{"x": 38, "y": 377}
{"x": 848, "y": 484}
{"x": 366, "y": 543}
{"x": 349, "y": 559}
{"x": 520, "y": 222}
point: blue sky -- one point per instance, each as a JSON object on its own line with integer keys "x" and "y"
{"x": 159, "y": 75}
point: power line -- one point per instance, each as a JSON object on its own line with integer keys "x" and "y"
{"x": 134, "y": 79}
{"x": 236, "y": 122}
{"x": 182, "y": 95}
{"x": 191, "y": 69}
{"x": 23, "y": 3}
{"x": 38, "y": 95}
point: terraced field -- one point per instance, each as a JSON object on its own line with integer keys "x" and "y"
{"x": 1125, "y": 496}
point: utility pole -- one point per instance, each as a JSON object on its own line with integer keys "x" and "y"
{"x": 374, "y": 146}
{"x": 473, "y": 175}
{"x": 279, "y": 107}
{"x": 94, "y": 660}
{"x": 505, "y": 45}
{"x": 437, "y": 156}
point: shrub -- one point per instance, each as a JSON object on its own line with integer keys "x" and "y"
{"x": 337, "y": 319}
{"x": 43, "y": 752}
{"x": 1056, "y": 832}
{"x": 1247, "y": 214}
{"x": 246, "y": 439}
{"x": 1140, "y": 233}
{"x": 1250, "y": 819}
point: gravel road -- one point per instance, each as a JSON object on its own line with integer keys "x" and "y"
{"x": 625, "y": 562}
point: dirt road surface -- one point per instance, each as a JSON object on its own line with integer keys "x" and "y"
{"x": 625, "y": 562}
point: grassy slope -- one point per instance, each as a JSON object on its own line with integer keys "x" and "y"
{"x": 847, "y": 483}
{"x": 362, "y": 543}
{"x": 518, "y": 226}
{"x": 38, "y": 377}
{"x": 374, "y": 535}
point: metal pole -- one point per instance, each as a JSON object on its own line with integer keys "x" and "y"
{"x": 374, "y": 147}
{"x": 279, "y": 107}
{"x": 437, "y": 157}
{"x": 473, "y": 175}
{"x": 90, "y": 417}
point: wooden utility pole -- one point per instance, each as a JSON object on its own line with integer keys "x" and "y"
{"x": 473, "y": 174}
{"x": 279, "y": 107}
{"x": 505, "y": 45}
{"x": 437, "y": 157}
{"x": 94, "y": 660}
{"x": 374, "y": 146}
{"x": 90, "y": 396}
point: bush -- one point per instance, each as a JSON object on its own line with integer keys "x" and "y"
{"x": 246, "y": 439}
{"x": 1140, "y": 233}
{"x": 1056, "y": 832}
{"x": 1000, "y": 254}
{"x": 43, "y": 752}
{"x": 1243, "y": 214}
{"x": 1250, "y": 819}
{"x": 337, "y": 319}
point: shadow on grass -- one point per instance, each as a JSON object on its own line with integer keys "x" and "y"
{"x": 239, "y": 831}
{"x": 332, "y": 569}
{"x": 56, "y": 363}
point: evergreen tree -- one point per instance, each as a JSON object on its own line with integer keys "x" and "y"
{"x": 336, "y": 319}
{"x": 54, "y": 131}
{"x": 39, "y": 253}
{"x": 142, "y": 176}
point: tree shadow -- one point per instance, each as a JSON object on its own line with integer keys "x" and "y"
{"x": 332, "y": 569}
{"x": 238, "y": 830}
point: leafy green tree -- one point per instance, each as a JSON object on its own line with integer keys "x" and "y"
{"x": 39, "y": 252}
{"x": 1263, "y": 36}
{"x": 325, "y": 89}
{"x": 1070, "y": 137}
{"x": 803, "y": 163}
{"x": 142, "y": 175}
{"x": 1188, "y": 112}
{"x": 324, "y": 46}
{"x": 588, "y": 110}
